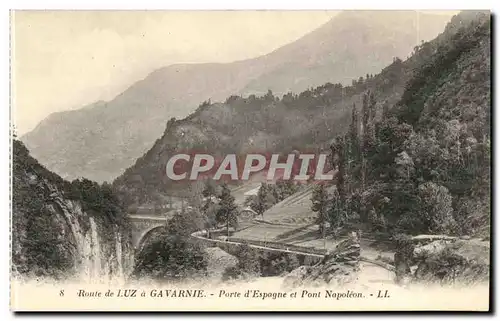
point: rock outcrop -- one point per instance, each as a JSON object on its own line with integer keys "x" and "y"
{"x": 339, "y": 266}
{"x": 60, "y": 230}
{"x": 218, "y": 262}
{"x": 452, "y": 261}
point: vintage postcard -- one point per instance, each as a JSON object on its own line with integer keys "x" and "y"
{"x": 250, "y": 160}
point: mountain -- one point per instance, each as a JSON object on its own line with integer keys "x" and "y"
{"x": 101, "y": 140}
{"x": 307, "y": 121}
{"x": 423, "y": 165}
{"x": 259, "y": 124}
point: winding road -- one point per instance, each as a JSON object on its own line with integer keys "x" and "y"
{"x": 304, "y": 251}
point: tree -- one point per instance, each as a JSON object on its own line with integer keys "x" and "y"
{"x": 436, "y": 210}
{"x": 209, "y": 208}
{"x": 250, "y": 201}
{"x": 336, "y": 212}
{"x": 265, "y": 199}
{"x": 404, "y": 165}
{"x": 269, "y": 95}
{"x": 368, "y": 132}
{"x": 227, "y": 213}
{"x": 403, "y": 258}
{"x": 319, "y": 201}
{"x": 170, "y": 257}
{"x": 372, "y": 107}
{"x": 184, "y": 224}
{"x": 170, "y": 123}
{"x": 339, "y": 155}
{"x": 210, "y": 189}
{"x": 283, "y": 189}
{"x": 385, "y": 110}
{"x": 195, "y": 195}
{"x": 354, "y": 135}
{"x": 208, "y": 193}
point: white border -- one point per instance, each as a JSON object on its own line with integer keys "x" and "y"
{"x": 181, "y": 5}
{"x": 255, "y": 4}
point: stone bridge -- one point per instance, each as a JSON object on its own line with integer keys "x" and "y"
{"x": 144, "y": 225}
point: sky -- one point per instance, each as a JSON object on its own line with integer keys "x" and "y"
{"x": 64, "y": 60}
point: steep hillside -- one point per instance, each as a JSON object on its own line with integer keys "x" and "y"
{"x": 262, "y": 124}
{"x": 62, "y": 229}
{"x": 101, "y": 140}
{"x": 424, "y": 165}
{"x": 442, "y": 85}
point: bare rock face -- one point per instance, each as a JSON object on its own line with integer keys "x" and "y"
{"x": 296, "y": 277}
{"x": 218, "y": 262}
{"x": 338, "y": 267}
{"x": 56, "y": 234}
{"x": 453, "y": 261}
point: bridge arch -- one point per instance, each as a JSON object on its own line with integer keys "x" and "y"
{"x": 143, "y": 225}
{"x": 145, "y": 235}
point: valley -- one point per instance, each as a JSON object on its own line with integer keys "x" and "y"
{"x": 407, "y": 153}
{"x": 101, "y": 140}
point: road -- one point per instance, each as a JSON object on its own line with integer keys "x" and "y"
{"x": 152, "y": 217}
{"x": 271, "y": 249}
{"x": 306, "y": 251}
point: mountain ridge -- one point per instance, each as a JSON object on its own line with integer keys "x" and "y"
{"x": 101, "y": 141}
{"x": 268, "y": 123}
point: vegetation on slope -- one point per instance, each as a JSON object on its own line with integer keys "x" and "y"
{"x": 424, "y": 166}
{"x": 170, "y": 254}
{"x": 101, "y": 140}
{"x": 42, "y": 243}
{"x": 271, "y": 194}
{"x": 421, "y": 166}
{"x": 255, "y": 124}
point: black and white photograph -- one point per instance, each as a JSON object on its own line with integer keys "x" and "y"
{"x": 251, "y": 160}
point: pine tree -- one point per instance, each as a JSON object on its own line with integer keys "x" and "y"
{"x": 265, "y": 199}
{"x": 368, "y": 132}
{"x": 342, "y": 171}
{"x": 365, "y": 112}
{"x": 209, "y": 192}
{"x": 371, "y": 108}
{"x": 336, "y": 213}
{"x": 319, "y": 201}
{"x": 209, "y": 207}
{"x": 227, "y": 213}
{"x": 354, "y": 134}
{"x": 385, "y": 110}
{"x": 269, "y": 95}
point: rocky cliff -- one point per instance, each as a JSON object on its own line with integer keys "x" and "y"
{"x": 452, "y": 260}
{"x": 64, "y": 230}
{"x": 339, "y": 266}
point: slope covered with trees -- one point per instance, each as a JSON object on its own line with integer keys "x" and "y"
{"x": 412, "y": 150}
{"x": 262, "y": 124}
{"x": 419, "y": 164}
{"x": 424, "y": 165}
